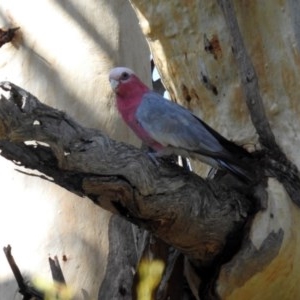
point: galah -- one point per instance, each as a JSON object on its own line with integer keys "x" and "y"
{"x": 169, "y": 128}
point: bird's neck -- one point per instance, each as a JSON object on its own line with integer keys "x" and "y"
{"x": 131, "y": 89}
{"x": 129, "y": 98}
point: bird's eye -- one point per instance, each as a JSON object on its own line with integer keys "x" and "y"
{"x": 124, "y": 76}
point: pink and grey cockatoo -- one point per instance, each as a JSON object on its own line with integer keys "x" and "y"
{"x": 169, "y": 128}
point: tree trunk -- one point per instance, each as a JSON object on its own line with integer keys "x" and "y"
{"x": 236, "y": 65}
{"x": 62, "y": 53}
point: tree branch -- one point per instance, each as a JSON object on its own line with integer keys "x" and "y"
{"x": 193, "y": 215}
{"x": 277, "y": 163}
{"x": 248, "y": 78}
{"x": 25, "y": 288}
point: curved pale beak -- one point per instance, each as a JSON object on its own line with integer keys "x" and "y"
{"x": 113, "y": 83}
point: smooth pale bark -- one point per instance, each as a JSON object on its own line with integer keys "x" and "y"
{"x": 206, "y": 67}
{"x": 62, "y": 53}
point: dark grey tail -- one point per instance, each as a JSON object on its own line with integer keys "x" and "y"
{"x": 243, "y": 173}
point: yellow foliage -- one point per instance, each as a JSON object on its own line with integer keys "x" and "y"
{"x": 53, "y": 290}
{"x": 150, "y": 274}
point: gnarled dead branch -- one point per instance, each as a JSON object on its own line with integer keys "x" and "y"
{"x": 188, "y": 212}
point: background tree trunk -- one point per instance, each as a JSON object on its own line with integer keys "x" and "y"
{"x": 62, "y": 53}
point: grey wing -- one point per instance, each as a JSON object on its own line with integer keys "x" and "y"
{"x": 172, "y": 125}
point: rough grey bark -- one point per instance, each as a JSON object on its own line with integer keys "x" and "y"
{"x": 122, "y": 257}
{"x": 204, "y": 219}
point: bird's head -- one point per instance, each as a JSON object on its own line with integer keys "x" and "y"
{"x": 124, "y": 82}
